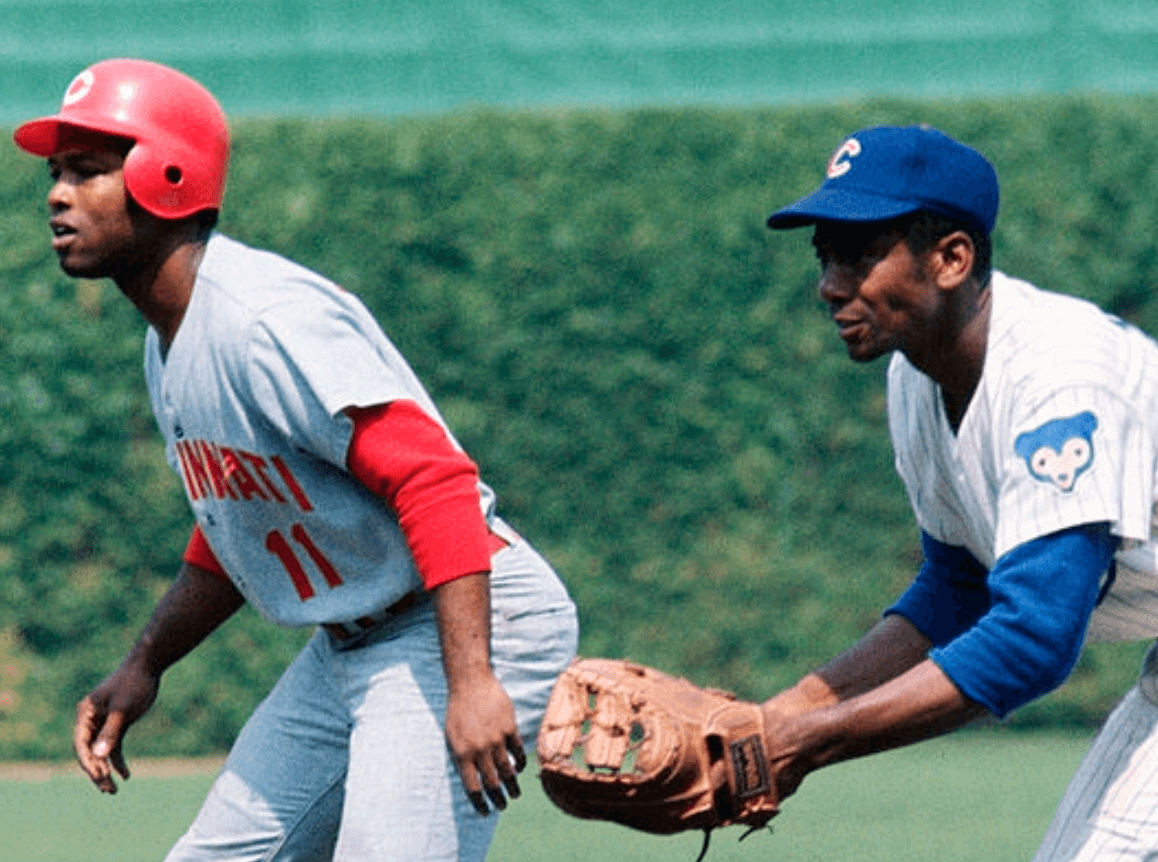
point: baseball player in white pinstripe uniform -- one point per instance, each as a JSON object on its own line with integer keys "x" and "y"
{"x": 327, "y": 491}
{"x": 1025, "y": 429}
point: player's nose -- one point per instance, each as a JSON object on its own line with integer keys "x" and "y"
{"x": 835, "y": 285}
{"x": 59, "y": 196}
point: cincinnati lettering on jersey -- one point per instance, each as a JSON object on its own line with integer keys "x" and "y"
{"x": 224, "y": 472}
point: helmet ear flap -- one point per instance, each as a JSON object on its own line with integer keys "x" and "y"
{"x": 163, "y": 180}
{"x": 146, "y": 181}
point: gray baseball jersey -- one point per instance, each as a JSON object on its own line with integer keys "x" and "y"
{"x": 250, "y": 400}
{"x": 346, "y": 758}
{"x": 1062, "y": 431}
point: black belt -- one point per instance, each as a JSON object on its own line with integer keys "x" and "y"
{"x": 354, "y": 628}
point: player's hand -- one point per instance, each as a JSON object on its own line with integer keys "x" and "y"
{"x": 786, "y": 769}
{"x": 484, "y": 739}
{"x": 102, "y": 719}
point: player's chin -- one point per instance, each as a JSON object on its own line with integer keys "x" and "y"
{"x": 75, "y": 267}
{"x": 862, "y": 351}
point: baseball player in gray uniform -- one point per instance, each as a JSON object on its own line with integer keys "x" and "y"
{"x": 327, "y": 492}
{"x": 1025, "y": 429}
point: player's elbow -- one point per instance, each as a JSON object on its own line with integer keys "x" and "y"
{"x": 1007, "y": 672}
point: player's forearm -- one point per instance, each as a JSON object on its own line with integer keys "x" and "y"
{"x": 193, "y": 607}
{"x": 462, "y": 607}
{"x": 889, "y": 649}
{"x": 919, "y": 704}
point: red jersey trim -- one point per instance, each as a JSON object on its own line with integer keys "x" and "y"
{"x": 198, "y": 553}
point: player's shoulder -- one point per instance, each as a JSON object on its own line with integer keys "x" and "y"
{"x": 1023, "y": 312}
{"x": 259, "y": 278}
{"x": 1045, "y": 334}
{"x": 244, "y": 293}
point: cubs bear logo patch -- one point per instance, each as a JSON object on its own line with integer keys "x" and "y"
{"x": 1060, "y": 450}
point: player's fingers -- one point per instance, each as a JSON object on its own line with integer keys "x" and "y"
{"x": 515, "y": 747}
{"x": 109, "y": 739}
{"x": 108, "y": 745}
{"x": 84, "y": 729}
{"x": 507, "y": 771}
{"x": 470, "y": 783}
{"x": 496, "y": 797}
{"x": 478, "y": 801}
{"x": 511, "y": 785}
{"x": 87, "y": 721}
{"x": 495, "y": 770}
{"x": 491, "y": 784}
{"x": 118, "y": 760}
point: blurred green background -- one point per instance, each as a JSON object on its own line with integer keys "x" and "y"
{"x": 641, "y": 369}
{"x": 557, "y": 212}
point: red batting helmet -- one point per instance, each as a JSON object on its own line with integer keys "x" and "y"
{"x": 180, "y": 154}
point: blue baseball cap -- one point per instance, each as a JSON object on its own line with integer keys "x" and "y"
{"x": 883, "y": 172}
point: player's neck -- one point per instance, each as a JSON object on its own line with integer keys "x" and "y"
{"x": 162, "y": 287}
{"x": 956, "y": 364}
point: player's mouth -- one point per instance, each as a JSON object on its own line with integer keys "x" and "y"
{"x": 62, "y": 235}
{"x": 848, "y": 329}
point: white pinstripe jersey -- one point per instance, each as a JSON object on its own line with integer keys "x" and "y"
{"x": 250, "y": 401}
{"x": 1062, "y": 431}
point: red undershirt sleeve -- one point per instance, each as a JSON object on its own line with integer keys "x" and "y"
{"x": 198, "y": 553}
{"x": 406, "y": 458}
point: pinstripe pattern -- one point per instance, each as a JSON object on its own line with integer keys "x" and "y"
{"x": 1049, "y": 357}
{"x": 1053, "y": 365}
{"x": 1110, "y": 811}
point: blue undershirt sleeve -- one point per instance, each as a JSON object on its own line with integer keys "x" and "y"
{"x": 948, "y": 595}
{"x": 1027, "y": 637}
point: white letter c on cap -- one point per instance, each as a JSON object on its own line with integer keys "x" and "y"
{"x": 79, "y": 88}
{"x": 840, "y": 163}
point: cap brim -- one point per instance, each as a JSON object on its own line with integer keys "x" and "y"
{"x": 38, "y": 137}
{"x": 831, "y": 204}
{"x": 43, "y": 137}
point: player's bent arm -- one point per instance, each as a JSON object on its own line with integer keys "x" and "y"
{"x": 1042, "y": 594}
{"x": 197, "y": 603}
{"x": 401, "y": 454}
{"x": 947, "y": 595}
{"x": 918, "y": 704}
{"x": 1005, "y": 637}
{"x": 480, "y": 720}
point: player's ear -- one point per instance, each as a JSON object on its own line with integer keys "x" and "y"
{"x": 951, "y": 259}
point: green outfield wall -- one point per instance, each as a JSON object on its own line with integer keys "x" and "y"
{"x": 371, "y": 57}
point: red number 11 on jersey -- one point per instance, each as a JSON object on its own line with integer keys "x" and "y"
{"x": 278, "y": 545}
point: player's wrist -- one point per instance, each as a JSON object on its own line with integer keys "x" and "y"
{"x": 146, "y": 658}
{"x": 810, "y": 693}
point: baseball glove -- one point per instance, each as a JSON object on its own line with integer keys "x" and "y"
{"x": 632, "y": 745}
